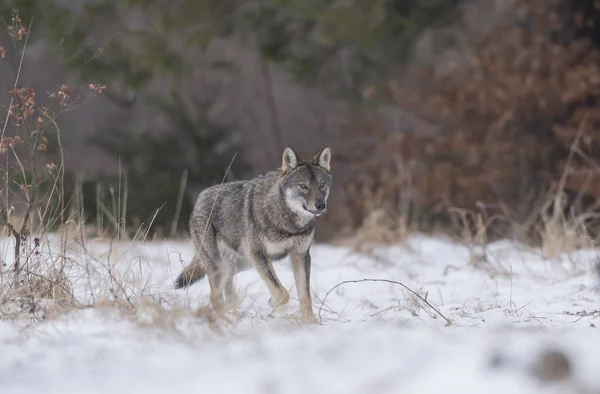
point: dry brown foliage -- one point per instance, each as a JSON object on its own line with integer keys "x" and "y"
{"x": 506, "y": 131}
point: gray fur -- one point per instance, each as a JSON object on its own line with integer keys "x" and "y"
{"x": 255, "y": 222}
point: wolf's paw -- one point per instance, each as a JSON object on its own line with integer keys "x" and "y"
{"x": 234, "y": 313}
{"x": 308, "y": 317}
{"x": 284, "y": 299}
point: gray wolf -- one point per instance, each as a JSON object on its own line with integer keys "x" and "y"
{"x": 248, "y": 224}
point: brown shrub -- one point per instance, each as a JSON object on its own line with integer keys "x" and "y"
{"x": 501, "y": 131}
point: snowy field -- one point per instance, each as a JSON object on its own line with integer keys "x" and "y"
{"x": 507, "y": 305}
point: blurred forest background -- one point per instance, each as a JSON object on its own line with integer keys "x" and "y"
{"x": 438, "y": 112}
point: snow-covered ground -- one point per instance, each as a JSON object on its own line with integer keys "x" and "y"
{"x": 507, "y": 304}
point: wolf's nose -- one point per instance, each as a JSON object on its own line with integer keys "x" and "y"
{"x": 320, "y": 205}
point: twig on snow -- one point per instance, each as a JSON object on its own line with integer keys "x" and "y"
{"x": 582, "y": 314}
{"x": 448, "y": 321}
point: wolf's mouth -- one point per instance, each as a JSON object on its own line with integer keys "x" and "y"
{"x": 316, "y": 213}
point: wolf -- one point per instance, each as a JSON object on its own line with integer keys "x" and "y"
{"x": 245, "y": 224}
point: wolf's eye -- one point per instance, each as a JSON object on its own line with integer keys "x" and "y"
{"x": 303, "y": 186}
{"x": 322, "y": 185}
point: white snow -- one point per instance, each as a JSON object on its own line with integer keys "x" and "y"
{"x": 505, "y": 301}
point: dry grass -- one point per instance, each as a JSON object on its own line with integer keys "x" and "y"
{"x": 114, "y": 280}
{"x": 554, "y": 225}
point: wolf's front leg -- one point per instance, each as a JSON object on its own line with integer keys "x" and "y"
{"x": 279, "y": 295}
{"x": 301, "y": 263}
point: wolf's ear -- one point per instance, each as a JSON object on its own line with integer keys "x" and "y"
{"x": 289, "y": 161}
{"x": 323, "y": 159}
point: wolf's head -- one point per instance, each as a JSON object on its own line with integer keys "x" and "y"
{"x": 306, "y": 184}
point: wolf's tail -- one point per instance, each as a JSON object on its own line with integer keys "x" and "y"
{"x": 190, "y": 274}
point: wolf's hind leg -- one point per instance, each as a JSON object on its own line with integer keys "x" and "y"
{"x": 208, "y": 251}
{"x": 230, "y": 293}
{"x": 217, "y": 283}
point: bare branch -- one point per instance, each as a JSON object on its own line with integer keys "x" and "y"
{"x": 448, "y": 321}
